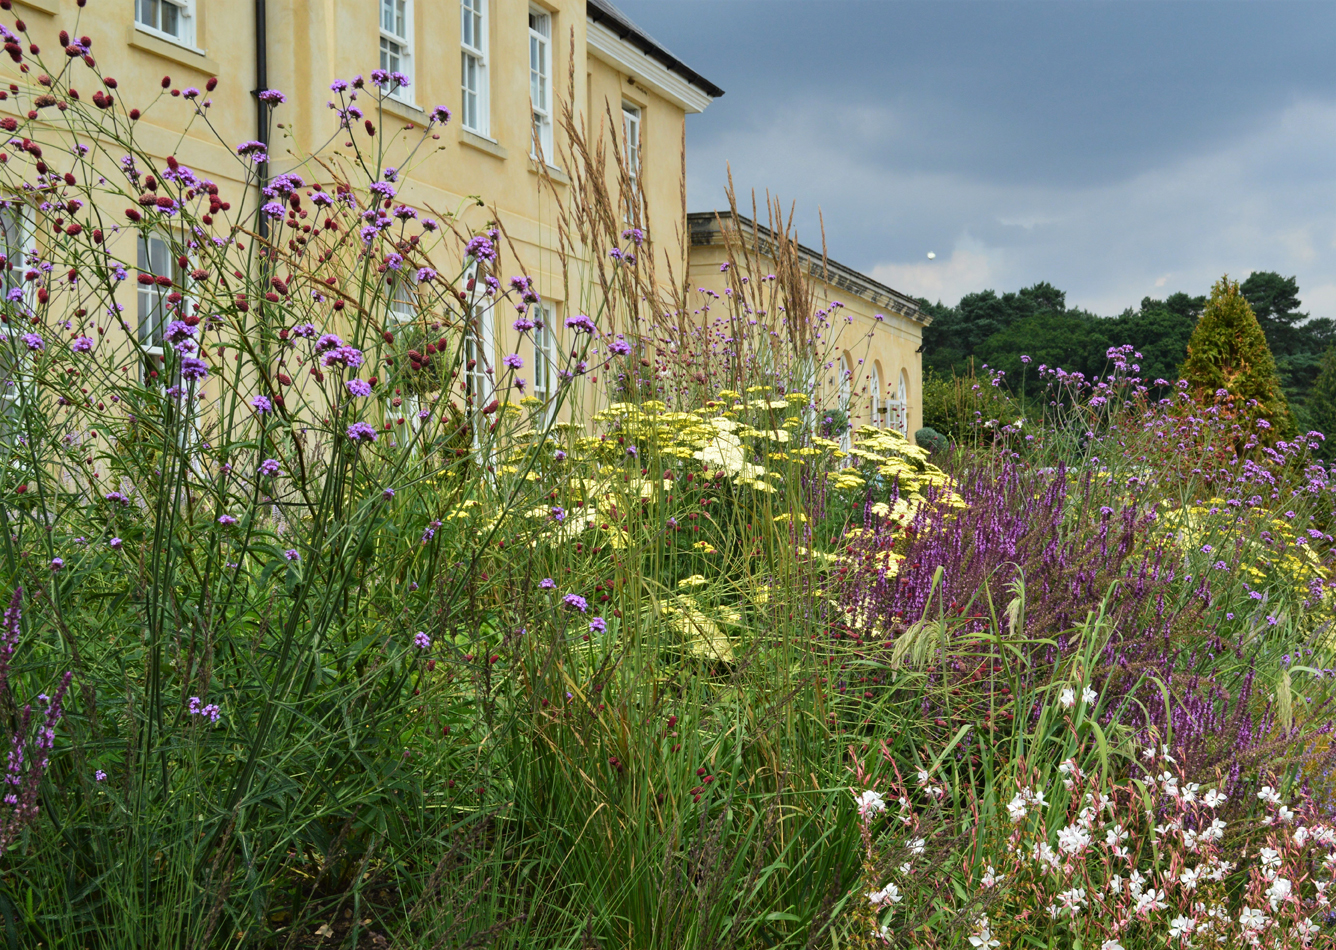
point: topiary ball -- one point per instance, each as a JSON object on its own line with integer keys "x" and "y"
{"x": 931, "y": 439}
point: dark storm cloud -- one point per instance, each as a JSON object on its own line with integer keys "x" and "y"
{"x": 1116, "y": 149}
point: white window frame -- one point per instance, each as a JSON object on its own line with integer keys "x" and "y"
{"x": 540, "y": 83}
{"x": 545, "y": 359}
{"x": 401, "y": 309}
{"x": 403, "y": 40}
{"x": 633, "y": 130}
{"x": 149, "y": 297}
{"x": 185, "y": 18}
{"x": 12, "y": 391}
{"x": 145, "y": 293}
{"x": 874, "y": 387}
{"x": 400, "y": 302}
{"x": 479, "y": 343}
{"x": 475, "y": 105}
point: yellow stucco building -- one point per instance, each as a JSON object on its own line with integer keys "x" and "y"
{"x": 504, "y": 68}
{"x": 870, "y": 345}
{"x": 507, "y": 70}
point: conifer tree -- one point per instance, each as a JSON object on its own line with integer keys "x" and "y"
{"x": 1229, "y": 364}
{"x": 1322, "y": 404}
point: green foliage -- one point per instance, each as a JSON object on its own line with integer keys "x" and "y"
{"x": 958, "y": 407}
{"x": 1321, "y": 408}
{"x": 1228, "y": 352}
{"x": 1297, "y": 342}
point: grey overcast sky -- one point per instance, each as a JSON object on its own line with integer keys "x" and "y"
{"x": 1115, "y": 149}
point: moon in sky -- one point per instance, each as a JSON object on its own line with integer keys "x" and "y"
{"x": 932, "y": 255}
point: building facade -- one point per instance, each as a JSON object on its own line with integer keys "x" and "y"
{"x": 506, "y": 70}
{"x": 873, "y": 367}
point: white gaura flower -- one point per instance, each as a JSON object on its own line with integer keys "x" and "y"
{"x": 1151, "y": 901}
{"x": 1270, "y": 858}
{"x": 890, "y": 894}
{"x": 1110, "y": 945}
{"x": 1116, "y": 884}
{"x": 991, "y": 878}
{"x": 1306, "y": 930}
{"x": 870, "y": 803}
{"x": 1073, "y": 839}
{"x": 1269, "y": 795}
{"x": 1181, "y": 927}
{"x": 1301, "y": 836}
{"x": 1017, "y": 809}
{"x": 916, "y": 846}
{"x": 1189, "y": 878}
{"x": 1284, "y": 814}
{"x": 983, "y": 934}
{"x": 1278, "y": 891}
{"x": 1073, "y": 901}
{"x": 1213, "y": 799}
{"x": 1067, "y": 698}
{"x": 1250, "y": 918}
{"x": 1115, "y": 836}
{"x": 1088, "y": 696}
{"x": 1042, "y": 853}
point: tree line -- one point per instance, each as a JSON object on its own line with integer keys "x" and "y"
{"x": 998, "y": 329}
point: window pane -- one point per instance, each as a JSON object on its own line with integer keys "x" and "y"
{"x": 469, "y": 70}
{"x": 400, "y": 28}
{"x": 471, "y": 23}
{"x": 170, "y": 18}
{"x": 390, "y": 55}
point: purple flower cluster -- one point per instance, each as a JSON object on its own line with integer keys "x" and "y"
{"x": 210, "y": 712}
{"x": 576, "y": 602}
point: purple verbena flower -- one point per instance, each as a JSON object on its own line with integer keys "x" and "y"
{"x": 361, "y": 432}
{"x": 576, "y": 602}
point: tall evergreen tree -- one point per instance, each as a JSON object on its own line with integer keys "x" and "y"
{"x": 1322, "y": 404}
{"x": 1228, "y": 351}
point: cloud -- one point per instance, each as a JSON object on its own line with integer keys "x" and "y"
{"x": 1254, "y": 202}
{"x": 1110, "y": 149}
{"x": 970, "y": 267}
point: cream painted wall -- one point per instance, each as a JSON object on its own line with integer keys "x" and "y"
{"x": 313, "y": 42}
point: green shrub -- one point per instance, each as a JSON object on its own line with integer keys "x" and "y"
{"x": 1230, "y": 365}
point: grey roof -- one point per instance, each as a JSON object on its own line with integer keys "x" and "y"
{"x": 602, "y": 11}
{"x": 703, "y": 227}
